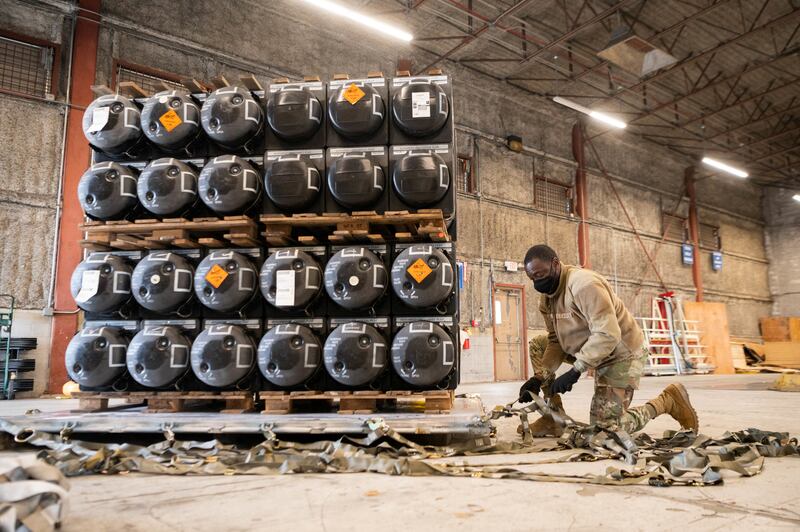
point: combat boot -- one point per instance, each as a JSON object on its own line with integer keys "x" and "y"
{"x": 546, "y": 425}
{"x": 674, "y": 400}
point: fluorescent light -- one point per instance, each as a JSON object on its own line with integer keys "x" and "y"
{"x": 796, "y": 197}
{"x": 597, "y": 115}
{"x": 608, "y": 120}
{"x": 364, "y": 20}
{"x": 724, "y": 167}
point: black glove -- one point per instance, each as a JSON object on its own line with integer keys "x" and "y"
{"x": 532, "y": 385}
{"x": 563, "y": 383}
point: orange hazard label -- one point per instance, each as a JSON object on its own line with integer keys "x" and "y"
{"x": 419, "y": 270}
{"x": 216, "y": 276}
{"x": 353, "y": 93}
{"x": 170, "y": 120}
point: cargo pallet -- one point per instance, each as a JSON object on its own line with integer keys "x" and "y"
{"x": 424, "y": 225}
{"x": 465, "y": 421}
{"x": 236, "y": 231}
{"x": 161, "y": 402}
{"x": 356, "y": 402}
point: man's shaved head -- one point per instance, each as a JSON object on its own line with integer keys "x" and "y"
{"x": 543, "y": 252}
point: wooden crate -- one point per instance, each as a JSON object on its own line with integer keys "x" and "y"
{"x": 424, "y": 225}
{"x": 780, "y": 329}
{"x": 230, "y": 231}
{"x": 357, "y": 402}
{"x": 158, "y": 402}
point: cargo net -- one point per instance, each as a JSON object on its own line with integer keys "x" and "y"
{"x": 678, "y": 459}
{"x": 149, "y": 83}
{"x": 25, "y": 68}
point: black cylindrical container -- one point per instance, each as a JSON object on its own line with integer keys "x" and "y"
{"x": 231, "y": 117}
{"x": 171, "y": 119}
{"x": 107, "y": 191}
{"x": 167, "y": 187}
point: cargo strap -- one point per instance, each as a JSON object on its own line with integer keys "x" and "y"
{"x": 678, "y": 458}
{"x": 33, "y": 494}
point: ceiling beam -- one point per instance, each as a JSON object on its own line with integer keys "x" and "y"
{"x": 568, "y": 76}
{"x": 740, "y": 102}
{"x": 748, "y": 69}
{"x": 677, "y": 25}
{"x": 790, "y": 149}
{"x": 767, "y": 138}
{"x": 477, "y": 33}
{"x": 571, "y": 33}
{"x": 691, "y": 59}
{"x": 750, "y": 123}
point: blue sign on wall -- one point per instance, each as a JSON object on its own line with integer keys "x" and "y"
{"x": 687, "y": 253}
{"x": 460, "y": 266}
{"x": 716, "y": 260}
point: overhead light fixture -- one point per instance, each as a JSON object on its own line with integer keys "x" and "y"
{"x": 364, "y": 20}
{"x": 796, "y": 197}
{"x": 724, "y": 167}
{"x": 597, "y": 115}
{"x": 514, "y": 143}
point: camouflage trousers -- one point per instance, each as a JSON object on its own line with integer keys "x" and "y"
{"x": 614, "y": 385}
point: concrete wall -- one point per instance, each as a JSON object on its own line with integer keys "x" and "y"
{"x": 782, "y": 215}
{"x": 30, "y": 156}
{"x": 282, "y": 37}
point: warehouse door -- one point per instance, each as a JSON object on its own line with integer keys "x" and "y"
{"x": 509, "y": 331}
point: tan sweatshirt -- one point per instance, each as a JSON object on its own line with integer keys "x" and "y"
{"x": 586, "y": 319}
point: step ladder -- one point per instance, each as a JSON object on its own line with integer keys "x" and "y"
{"x": 672, "y": 340}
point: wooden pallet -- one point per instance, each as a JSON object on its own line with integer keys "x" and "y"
{"x": 158, "y": 402}
{"x": 230, "y": 231}
{"x": 424, "y": 225}
{"x": 357, "y": 402}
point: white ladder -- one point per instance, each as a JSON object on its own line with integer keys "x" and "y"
{"x": 672, "y": 340}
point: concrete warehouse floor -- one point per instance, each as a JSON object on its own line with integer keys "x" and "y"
{"x": 370, "y": 501}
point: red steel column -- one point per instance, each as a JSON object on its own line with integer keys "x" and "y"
{"x": 694, "y": 232}
{"x": 83, "y": 65}
{"x": 581, "y": 202}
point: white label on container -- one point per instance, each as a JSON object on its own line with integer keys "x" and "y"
{"x": 420, "y": 105}
{"x": 90, "y": 282}
{"x": 99, "y": 119}
{"x": 284, "y": 292}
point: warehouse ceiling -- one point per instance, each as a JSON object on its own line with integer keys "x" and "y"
{"x": 727, "y": 85}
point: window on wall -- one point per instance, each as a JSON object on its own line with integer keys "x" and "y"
{"x": 150, "y": 80}
{"x": 552, "y": 196}
{"x": 465, "y": 176}
{"x": 675, "y": 227}
{"x": 27, "y": 66}
{"x": 709, "y": 237}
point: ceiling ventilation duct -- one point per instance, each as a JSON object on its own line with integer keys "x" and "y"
{"x": 634, "y": 54}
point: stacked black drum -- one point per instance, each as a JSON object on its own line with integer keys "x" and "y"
{"x": 374, "y": 315}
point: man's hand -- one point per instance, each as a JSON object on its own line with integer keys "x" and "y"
{"x": 563, "y": 383}
{"x": 532, "y": 385}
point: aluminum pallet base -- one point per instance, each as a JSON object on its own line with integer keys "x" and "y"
{"x": 464, "y": 421}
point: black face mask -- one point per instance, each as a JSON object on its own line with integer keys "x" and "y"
{"x": 547, "y": 285}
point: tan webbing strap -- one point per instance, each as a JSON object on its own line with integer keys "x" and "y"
{"x": 679, "y": 458}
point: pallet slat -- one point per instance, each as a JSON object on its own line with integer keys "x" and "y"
{"x": 356, "y": 402}
{"x": 159, "y": 402}
{"x": 363, "y": 226}
{"x": 236, "y": 231}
